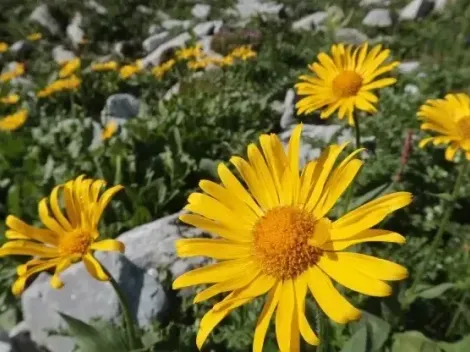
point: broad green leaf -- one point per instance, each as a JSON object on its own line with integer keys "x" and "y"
{"x": 414, "y": 341}
{"x": 379, "y": 330}
{"x": 460, "y": 346}
{"x": 435, "y": 291}
{"x": 357, "y": 342}
{"x": 13, "y": 200}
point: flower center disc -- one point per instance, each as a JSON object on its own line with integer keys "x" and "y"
{"x": 75, "y": 243}
{"x": 347, "y": 84}
{"x": 281, "y": 242}
{"x": 463, "y": 125}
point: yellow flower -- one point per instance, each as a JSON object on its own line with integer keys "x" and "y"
{"x": 109, "y": 130}
{"x": 69, "y": 67}
{"x": 200, "y": 63}
{"x": 344, "y": 81}
{"x": 10, "y": 99}
{"x": 189, "y": 53}
{"x": 67, "y": 238}
{"x": 65, "y": 84}
{"x": 276, "y": 239}
{"x": 450, "y": 118}
{"x": 105, "y": 66}
{"x": 243, "y": 52}
{"x": 14, "y": 121}
{"x": 3, "y": 47}
{"x": 34, "y": 37}
{"x": 17, "y": 71}
{"x": 130, "y": 70}
{"x": 222, "y": 61}
{"x": 160, "y": 70}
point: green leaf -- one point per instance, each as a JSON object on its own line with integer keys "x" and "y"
{"x": 372, "y": 194}
{"x": 435, "y": 291}
{"x": 13, "y": 200}
{"x": 379, "y": 330}
{"x": 357, "y": 342}
{"x": 414, "y": 341}
{"x": 460, "y": 346}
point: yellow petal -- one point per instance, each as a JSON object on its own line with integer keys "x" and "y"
{"x": 379, "y": 84}
{"x": 293, "y": 154}
{"x": 284, "y": 315}
{"x": 218, "y": 249}
{"x": 13, "y": 235}
{"x": 263, "y": 173}
{"x": 47, "y": 220}
{"x": 55, "y": 207}
{"x": 108, "y": 245}
{"x": 94, "y": 267}
{"x": 21, "y": 247}
{"x": 274, "y": 164}
{"x": 56, "y": 282}
{"x": 335, "y": 306}
{"x": 300, "y": 286}
{"x": 265, "y": 317}
{"x": 373, "y": 235}
{"x": 104, "y": 201}
{"x": 18, "y": 286}
{"x": 71, "y": 208}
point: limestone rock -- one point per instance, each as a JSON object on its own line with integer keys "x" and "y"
{"x": 378, "y": 18}
{"x": 201, "y": 11}
{"x": 311, "y": 21}
{"x": 43, "y": 16}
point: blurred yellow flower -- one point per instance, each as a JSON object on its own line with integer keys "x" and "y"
{"x": 450, "y": 118}
{"x": 10, "y": 99}
{"x": 243, "y": 52}
{"x": 105, "y": 66}
{"x": 3, "y": 47}
{"x": 189, "y": 53}
{"x": 13, "y": 121}
{"x": 275, "y": 238}
{"x": 67, "y": 238}
{"x": 109, "y": 130}
{"x": 344, "y": 81}
{"x": 222, "y": 61}
{"x": 160, "y": 70}
{"x": 199, "y": 63}
{"x": 131, "y": 69}
{"x": 34, "y": 36}
{"x": 17, "y": 71}
{"x": 69, "y": 67}
{"x": 65, "y": 84}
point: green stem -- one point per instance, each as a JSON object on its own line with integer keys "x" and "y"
{"x": 456, "y": 316}
{"x": 449, "y": 207}
{"x": 128, "y": 321}
{"x": 357, "y": 130}
{"x": 323, "y": 331}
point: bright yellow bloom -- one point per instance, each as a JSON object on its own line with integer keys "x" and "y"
{"x": 3, "y": 47}
{"x": 69, "y": 67}
{"x": 10, "y": 99}
{"x": 105, "y": 66}
{"x": 17, "y": 71}
{"x": 276, "y": 239}
{"x": 67, "y": 238}
{"x": 198, "y": 64}
{"x": 109, "y": 130}
{"x": 65, "y": 84}
{"x": 130, "y": 70}
{"x": 189, "y": 53}
{"x": 450, "y": 118}
{"x": 344, "y": 81}
{"x": 14, "y": 121}
{"x": 34, "y": 36}
{"x": 243, "y": 52}
{"x": 160, "y": 70}
{"x": 222, "y": 61}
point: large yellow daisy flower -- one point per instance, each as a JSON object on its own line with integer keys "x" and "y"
{"x": 344, "y": 81}
{"x": 276, "y": 239}
{"x": 450, "y": 117}
{"x": 67, "y": 238}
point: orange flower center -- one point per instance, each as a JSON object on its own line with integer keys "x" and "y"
{"x": 463, "y": 127}
{"x": 347, "y": 84}
{"x": 281, "y": 242}
{"x": 76, "y": 242}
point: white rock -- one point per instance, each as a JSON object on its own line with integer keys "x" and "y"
{"x": 21, "y": 338}
{"x": 6, "y": 347}
{"x": 408, "y": 66}
{"x": 288, "y": 114}
{"x": 60, "y": 54}
{"x": 74, "y": 31}
{"x": 366, "y": 3}
{"x": 206, "y": 28}
{"x": 310, "y": 22}
{"x": 440, "y": 5}
{"x": 99, "y": 9}
{"x": 42, "y": 15}
{"x": 415, "y": 9}
{"x": 122, "y": 106}
{"x": 170, "y": 24}
{"x": 378, "y": 18}
{"x": 249, "y": 8}
{"x": 350, "y": 36}
{"x": 155, "y": 57}
{"x": 151, "y": 43}
{"x": 201, "y": 11}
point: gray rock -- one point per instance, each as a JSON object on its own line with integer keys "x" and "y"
{"x": 366, "y": 3}
{"x": 416, "y": 9}
{"x": 201, "y": 11}
{"x": 21, "y": 48}
{"x": 310, "y": 22}
{"x": 170, "y": 24}
{"x": 411, "y": 89}
{"x": 249, "y": 8}
{"x": 154, "y": 29}
{"x": 42, "y": 16}
{"x": 350, "y": 36}
{"x": 408, "y": 66}
{"x": 60, "y": 54}
{"x": 86, "y": 298}
{"x": 99, "y": 9}
{"x": 21, "y": 341}
{"x": 124, "y": 106}
{"x": 207, "y": 28}
{"x": 378, "y": 18}
{"x": 151, "y": 43}
{"x": 155, "y": 57}
{"x": 74, "y": 31}
{"x": 440, "y": 5}
{"x": 287, "y": 117}
{"x": 6, "y": 347}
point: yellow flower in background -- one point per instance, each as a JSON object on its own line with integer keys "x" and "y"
{"x": 3, "y": 47}
{"x": 17, "y": 71}
{"x": 105, "y": 66}
{"x": 34, "y": 37}
{"x": 130, "y": 70}
{"x": 160, "y": 70}
{"x": 275, "y": 238}
{"x": 10, "y": 99}
{"x": 345, "y": 81}
{"x": 189, "y": 53}
{"x": 109, "y": 130}
{"x": 222, "y": 61}
{"x": 67, "y": 238}
{"x": 14, "y": 121}
{"x": 198, "y": 64}
{"x": 65, "y": 84}
{"x": 243, "y": 52}
{"x": 69, "y": 67}
{"x": 450, "y": 118}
